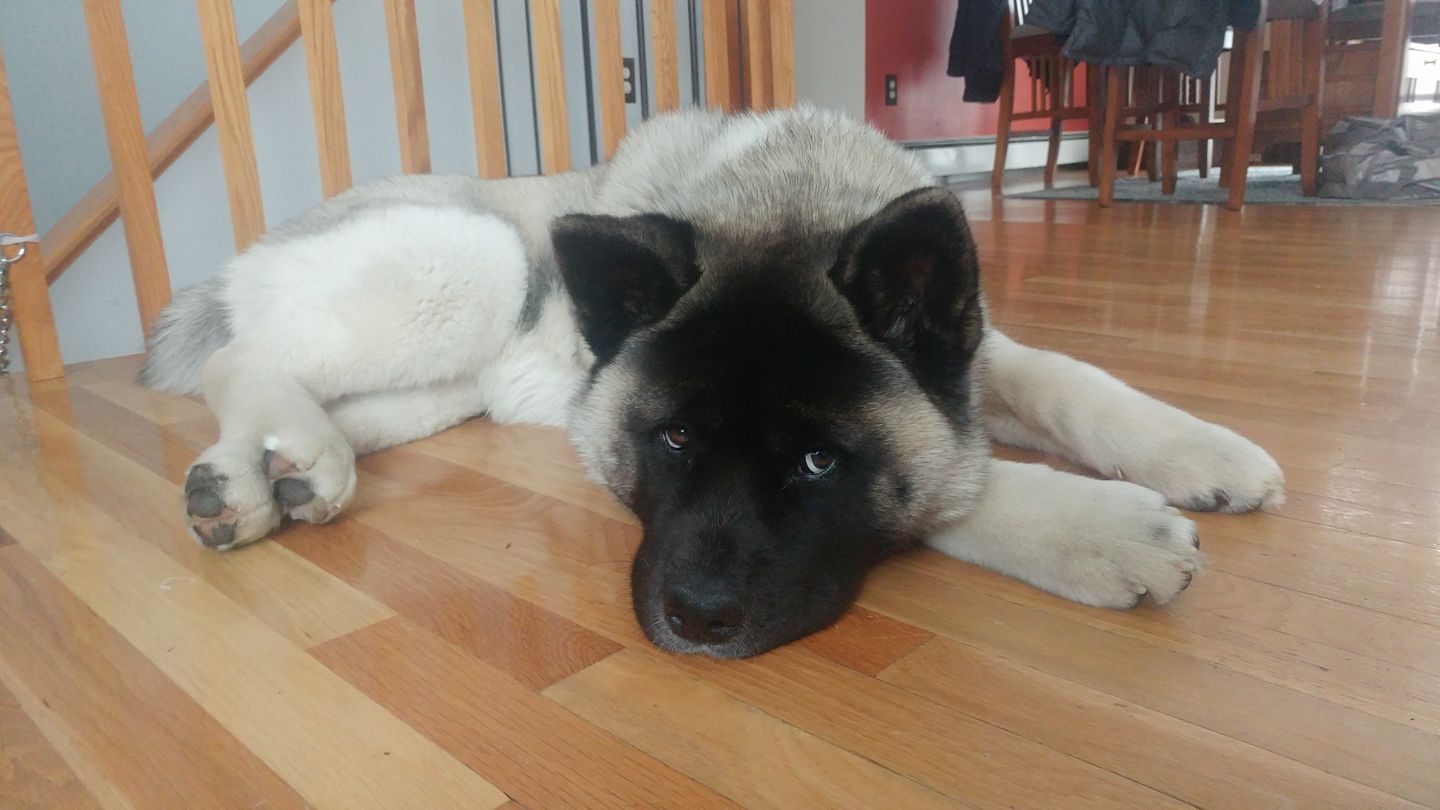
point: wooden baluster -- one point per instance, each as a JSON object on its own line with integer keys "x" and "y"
{"x": 232, "y": 119}
{"x": 29, "y": 292}
{"x": 409, "y": 88}
{"x": 664, "y": 50}
{"x": 485, "y": 88}
{"x": 720, "y": 87}
{"x": 550, "y": 87}
{"x": 125, "y": 134}
{"x": 782, "y": 52}
{"x": 327, "y": 101}
{"x": 610, "y": 78}
{"x": 759, "y": 89}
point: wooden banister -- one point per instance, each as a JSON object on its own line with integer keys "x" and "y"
{"x": 69, "y": 237}
{"x": 409, "y": 88}
{"x": 550, "y": 87}
{"x": 125, "y": 135}
{"x": 721, "y": 90}
{"x": 609, "y": 79}
{"x": 322, "y": 66}
{"x": 664, "y": 49}
{"x": 30, "y": 295}
{"x": 232, "y": 119}
{"x": 485, "y": 87}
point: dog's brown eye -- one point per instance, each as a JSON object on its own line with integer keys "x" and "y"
{"x": 675, "y": 436}
{"x": 817, "y": 463}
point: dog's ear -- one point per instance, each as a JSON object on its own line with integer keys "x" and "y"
{"x": 623, "y": 273}
{"x": 912, "y": 276}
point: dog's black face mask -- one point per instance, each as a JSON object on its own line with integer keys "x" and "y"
{"x": 784, "y": 426}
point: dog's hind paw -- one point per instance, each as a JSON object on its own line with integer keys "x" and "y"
{"x": 227, "y": 499}
{"x": 311, "y": 483}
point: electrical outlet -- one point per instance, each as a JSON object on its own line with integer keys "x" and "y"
{"x": 892, "y": 89}
{"x": 628, "y": 67}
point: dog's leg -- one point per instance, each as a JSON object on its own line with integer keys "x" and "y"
{"x": 1103, "y": 543}
{"x": 278, "y": 454}
{"x": 1056, "y": 404}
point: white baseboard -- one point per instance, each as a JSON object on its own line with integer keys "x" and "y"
{"x": 950, "y": 158}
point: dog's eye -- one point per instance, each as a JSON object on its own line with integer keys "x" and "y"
{"x": 817, "y": 463}
{"x": 675, "y": 436}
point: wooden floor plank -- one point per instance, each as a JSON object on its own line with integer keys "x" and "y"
{"x": 116, "y": 454}
{"x": 33, "y": 775}
{"x": 526, "y": 642}
{"x": 734, "y": 748}
{"x": 1147, "y": 746}
{"x": 1383, "y": 754}
{"x": 535, "y": 751}
{"x": 339, "y": 748}
{"x": 115, "y": 716}
{"x": 967, "y": 759}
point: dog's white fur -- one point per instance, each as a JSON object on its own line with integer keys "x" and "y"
{"x": 417, "y": 332}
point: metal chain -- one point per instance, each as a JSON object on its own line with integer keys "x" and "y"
{"x": 5, "y": 318}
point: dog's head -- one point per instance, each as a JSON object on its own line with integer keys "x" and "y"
{"x": 780, "y": 416}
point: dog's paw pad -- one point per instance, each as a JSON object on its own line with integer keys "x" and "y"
{"x": 215, "y": 534}
{"x": 227, "y": 501}
{"x": 311, "y": 484}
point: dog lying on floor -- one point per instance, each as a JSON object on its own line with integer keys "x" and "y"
{"x": 766, "y": 336}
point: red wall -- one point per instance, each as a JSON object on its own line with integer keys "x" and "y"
{"x": 911, "y": 39}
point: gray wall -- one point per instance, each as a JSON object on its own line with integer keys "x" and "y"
{"x": 52, "y": 85}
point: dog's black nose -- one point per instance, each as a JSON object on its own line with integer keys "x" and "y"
{"x": 703, "y": 614}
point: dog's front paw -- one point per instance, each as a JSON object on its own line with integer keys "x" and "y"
{"x": 1208, "y": 468}
{"x": 1127, "y": 545}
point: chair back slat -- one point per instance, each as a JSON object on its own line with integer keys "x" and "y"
{"x": 409, "y": 87}
{"x": 664, "y": 50}
{"x": 322, "y": 65}
{"x": 485, "y": 87}
{"x": 609, "y": 79}
{"x": 232, "y": 119}
{"x": 129, "y": 160}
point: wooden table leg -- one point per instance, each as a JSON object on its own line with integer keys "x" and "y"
{"x": 1314, "y": 61}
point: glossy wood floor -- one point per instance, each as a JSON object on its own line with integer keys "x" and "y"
{"x": 463, "y": 638}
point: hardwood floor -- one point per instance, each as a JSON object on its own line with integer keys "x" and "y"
{"x": 463, "y": 637}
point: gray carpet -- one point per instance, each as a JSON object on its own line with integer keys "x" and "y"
{"x": 1266, "y": 185}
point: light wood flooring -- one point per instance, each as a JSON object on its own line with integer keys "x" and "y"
{"x": 464, "y": 638}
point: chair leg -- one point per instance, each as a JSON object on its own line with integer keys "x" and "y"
{"x": 1052, "y": 157}
{"x": 1249, "y": 99}
{"x": 1169, "y": 154}
{"x": 1310, "y": 117}
{"x": 1107, "y": 135}
{"x": 1202, "y": 151}
{"x": 1007, "y": 110}
{"x": 1097, "y": 120}
{"x": 1232, "y": 108}
{"x": 1136, "y": 155}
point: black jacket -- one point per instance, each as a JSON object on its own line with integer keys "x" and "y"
{"x": 1185, "y": 35}
{"x": 975, "y": 48}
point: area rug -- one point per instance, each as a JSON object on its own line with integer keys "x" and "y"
{"x": 1266, "y": 185}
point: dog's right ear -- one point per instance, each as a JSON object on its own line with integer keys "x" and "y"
{"x": 623, "y": 273}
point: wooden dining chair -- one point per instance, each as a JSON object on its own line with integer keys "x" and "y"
{"x": 1051, "y": 87}
{"x": 1242, "y": 102}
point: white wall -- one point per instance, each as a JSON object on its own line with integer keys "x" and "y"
{"x": 830, "y": 54}
{"x": 52, "y": 84}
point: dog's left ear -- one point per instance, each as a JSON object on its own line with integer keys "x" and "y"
{"x": 912, "y": 276}
{"x": 623, "y": 273}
